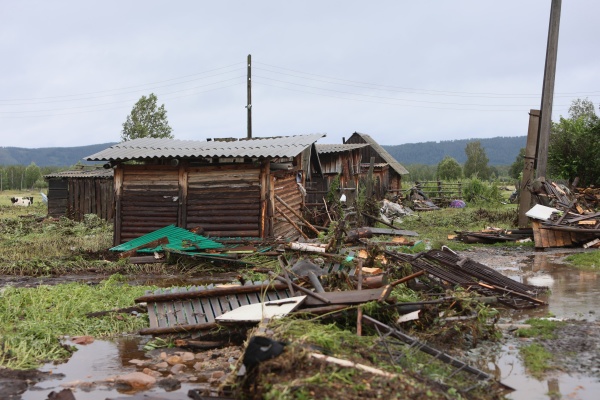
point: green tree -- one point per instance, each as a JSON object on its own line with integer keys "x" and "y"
{"x": 477, "y": 161}
{"x": 32, "y": 175}
{"x": 516, "y": 168}
{"x": 146, "y": 120}
{"x": 449, "y": 169}
{"x": 574, "y": 147}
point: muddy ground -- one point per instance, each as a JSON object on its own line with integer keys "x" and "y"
{"x": 577, "y": 346}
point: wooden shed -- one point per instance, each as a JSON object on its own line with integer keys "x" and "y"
{"x": 388, "y": 171}
{"x": 336, "y": 160}
{"x": 78, "y": 192}
{"x": 225, "y": 187}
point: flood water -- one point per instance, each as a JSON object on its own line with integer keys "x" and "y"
{"x": 574, "y": 294}
{"x": 92, "y": 364}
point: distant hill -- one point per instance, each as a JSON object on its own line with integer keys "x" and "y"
{"x": 49, "y": 156}
{"x": 500, "y": 150}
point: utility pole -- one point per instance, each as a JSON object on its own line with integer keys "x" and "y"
{"x": 548, "y": 89}
{"x": 528, "y": 168}
{"x": 249, "y": 106}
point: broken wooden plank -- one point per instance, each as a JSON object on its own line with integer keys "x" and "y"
{"x": 212, "y": 292}
{"x": 346, "y": 297}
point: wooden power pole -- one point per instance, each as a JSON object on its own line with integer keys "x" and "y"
{"x": 548, "y": 89}
{"x": 249, "y": 106}
{"x": 528, "y": 168}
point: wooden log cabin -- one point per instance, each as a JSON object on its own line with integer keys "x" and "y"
{"x": 337, "y": 161}
{"x": 224, "y": 187}
{"x": 78, "y": 192}
{"x": 387, "y": 170}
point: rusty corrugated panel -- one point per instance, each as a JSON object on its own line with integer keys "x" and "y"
{"x": 146, "y": 148}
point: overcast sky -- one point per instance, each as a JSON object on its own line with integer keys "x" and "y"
{"x": 401, "y": 71}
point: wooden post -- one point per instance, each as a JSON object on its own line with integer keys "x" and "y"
{"x": 249, "y": 105}
{"x": 528, "y": 168}
{"x": 118, "y": 182}
{"x": 548, "y": 89}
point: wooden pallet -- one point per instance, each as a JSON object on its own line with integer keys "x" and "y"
{"x": 188, "y": 309}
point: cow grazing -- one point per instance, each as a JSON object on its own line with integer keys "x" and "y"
{"x": 22, "y": 201}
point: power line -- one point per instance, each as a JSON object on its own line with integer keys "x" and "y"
{"x": 397, "y": 99}
{"x": 111, "y": 108}
{"x": 430, "y": 91}
{"x": 130, "y": 87}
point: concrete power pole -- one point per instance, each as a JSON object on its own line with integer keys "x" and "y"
{"x": 249, "y": 106}
{"x": 548, "y": 89}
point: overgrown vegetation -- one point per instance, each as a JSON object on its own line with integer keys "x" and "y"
{"x": 33, "y": 320}
{"x": 536, "y": 359}
{"x": 540, "y": 328}
{"x": 588, "y": 260}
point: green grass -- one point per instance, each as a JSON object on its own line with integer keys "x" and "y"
{"x": 540, "y": 328}
{"x": 437, "y": 225}
{"x": 32, "y": 320}
{"x": 536, "y": 359}
{"x": 587, "y": 260}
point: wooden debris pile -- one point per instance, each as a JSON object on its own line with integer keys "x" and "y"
{"x": 492, "y": 235}
{"x": 563, "y": 218}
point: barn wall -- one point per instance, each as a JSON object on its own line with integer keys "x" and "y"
{"x": 224, "y": 200}
{"x": 74, "y": 197}
{"x": 284, "y": 186}
{"x": 57, "y": 197}
{"x": 148, "y": 199}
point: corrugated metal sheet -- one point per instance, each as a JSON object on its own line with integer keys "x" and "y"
{"x": 284, "y": 146}
{"x": 176, "y": 237}
{"x": 338, "y": 148}
{"x": 78, "y": 173}
{"x": 395, "y": 165}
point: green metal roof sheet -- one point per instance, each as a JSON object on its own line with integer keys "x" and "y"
{"x": 179, "y": 238}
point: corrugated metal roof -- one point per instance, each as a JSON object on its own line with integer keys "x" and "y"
{"x": 176, "y": 236}
{"x": 79, "y": 173}
{"x": 383, "y": 153}
{"x": 283, "y": 146}
{"x": 338, "y": 148}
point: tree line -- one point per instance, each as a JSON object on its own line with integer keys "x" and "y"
{"x": 25, "y": 177}
{"x": 573, "y": 153}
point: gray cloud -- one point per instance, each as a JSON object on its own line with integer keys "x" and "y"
{"x": 402, "y": 71}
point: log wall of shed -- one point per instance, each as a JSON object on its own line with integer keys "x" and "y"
{"x": 224, "y": 200}
{"x": 76, "y": 197}
{"x": 286, "y": 187}
{"x": 58, "y": 195}
{"x": 148, "y": 201}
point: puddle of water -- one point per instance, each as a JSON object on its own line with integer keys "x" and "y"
{"x": 509, "y": 370}
{"x": 573, "y": 295}
{"x": 96, "y": 362}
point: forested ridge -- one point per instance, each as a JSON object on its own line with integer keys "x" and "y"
{"x": 500, "y": 150}
{"x": 49, "y": 156}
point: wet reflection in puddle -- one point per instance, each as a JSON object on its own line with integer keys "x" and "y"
{"x": 574, "y": 294}
{"x": 95, "y": 362}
